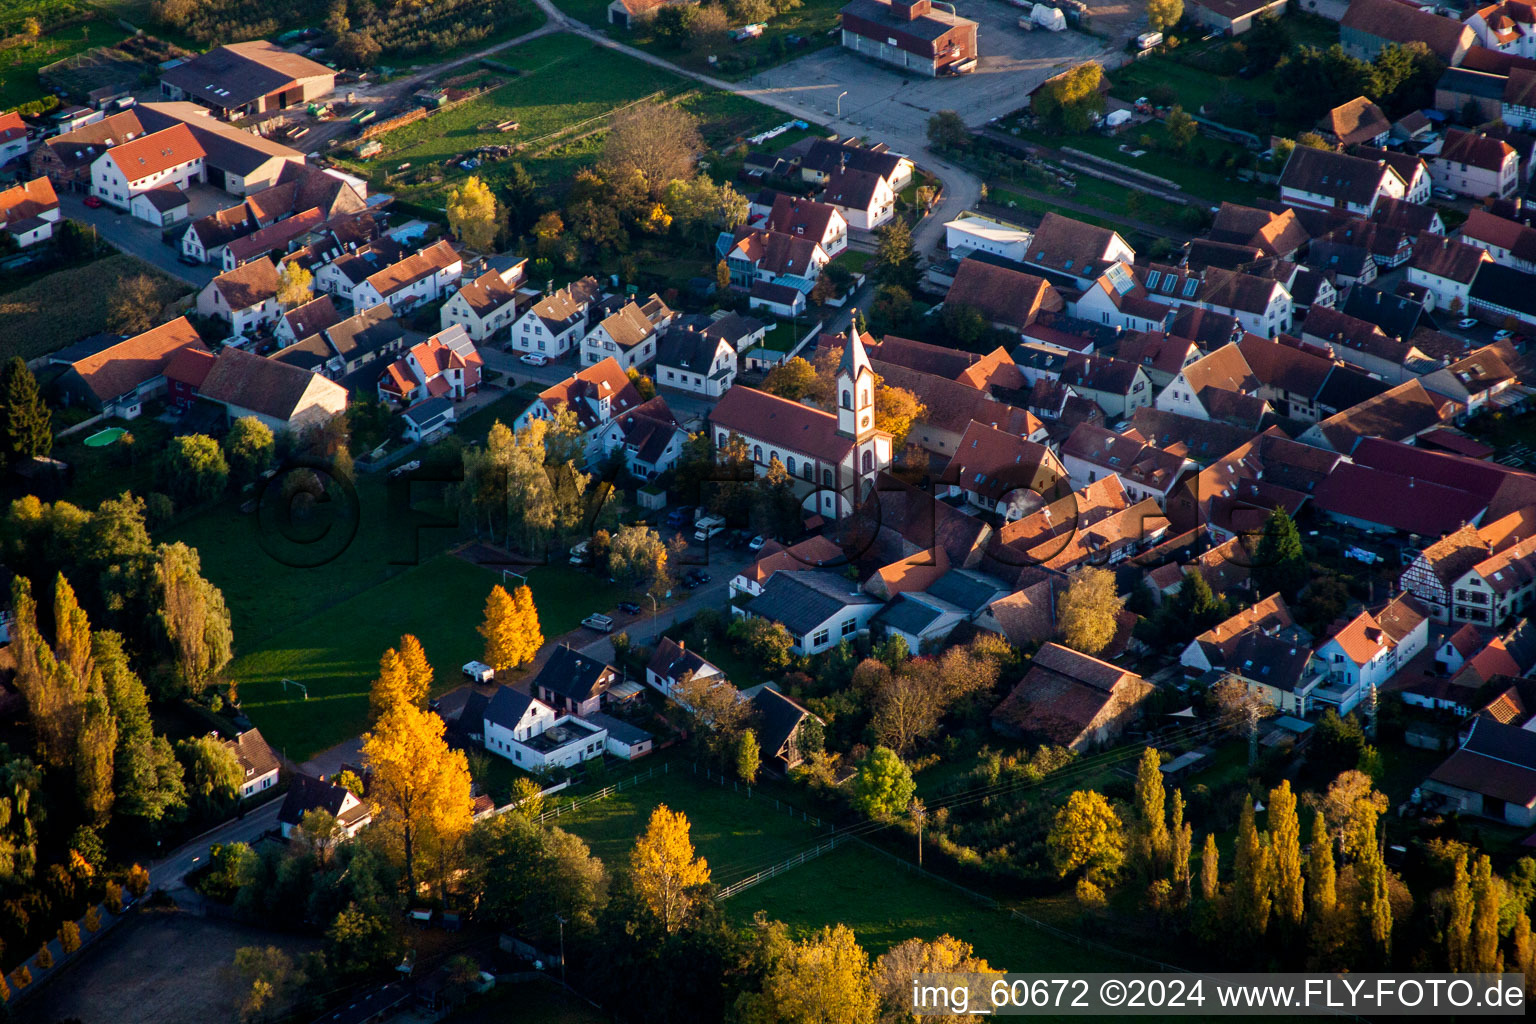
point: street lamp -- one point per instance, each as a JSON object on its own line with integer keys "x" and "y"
{"x": 562, "y": 949}
{"x": 655, "y": 637}
{"x": 840, "y": 102}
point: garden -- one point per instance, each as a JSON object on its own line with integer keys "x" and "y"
{"x": 33, "y": 322}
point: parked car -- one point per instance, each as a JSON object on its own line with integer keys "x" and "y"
{"x": 535, "y": 359}
{"x": 94, "y": 202}
{"x": 1503, "y": 334}
{"x": 1444, "y": 193}
{"x": 191, "y": 261}
{"x": 680, "y": 516}
{"x": 757, "y": 543}
{"x": 695, "y": 578}
{"x": 629, "y": 608}
{"x": 479, "y": 671}
{"x": 1466, "y": 323}
{"x": 601, "y": 623}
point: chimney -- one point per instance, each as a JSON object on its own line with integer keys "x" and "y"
{"x": 910, "y": 10}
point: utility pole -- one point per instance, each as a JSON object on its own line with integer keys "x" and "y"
{"x": 919, "y": 818}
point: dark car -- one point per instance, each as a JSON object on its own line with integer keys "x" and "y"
{"x": 190, "y": 261}
{"x": 629, "y": 608}
{"x": 695, "y": 578}
{"x": 680, "y": 516}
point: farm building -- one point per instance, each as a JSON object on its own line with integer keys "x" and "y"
{"x": 909, "y": 34}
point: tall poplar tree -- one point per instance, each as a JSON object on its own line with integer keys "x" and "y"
{"x": 1251, "y": 897}
{"x": 1320, "y": 870}
{"x": 1285, "y": 842}
{"x": 1150, "y": 802}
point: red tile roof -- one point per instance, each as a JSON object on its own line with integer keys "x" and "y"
{"x": 778, "y": 421}
{"x": 32, "y": 199}
{"x": 151, "y": 154}
{"x": 119, "y": 369}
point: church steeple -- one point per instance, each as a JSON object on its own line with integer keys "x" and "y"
{"x": 855, "y": 390}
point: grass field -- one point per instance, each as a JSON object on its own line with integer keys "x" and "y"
{"x": 736, "y": 836}
{"x": 34, "y": 322}
{"x": 885, "y": 905}
{"x": 335, "y": 653}
{"x": 561, "y": 99}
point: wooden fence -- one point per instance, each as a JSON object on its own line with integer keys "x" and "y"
{"x": 778, "y": 869}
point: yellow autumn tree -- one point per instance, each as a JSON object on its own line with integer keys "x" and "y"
{"x": 472, "y": 214}
{"x": 420, "y": 791}
{"x": 667, "y": 875}
{"x": 392, "y": 687}
{"x": 825, "y": 977}
{"x": 511, "y": 628}
{"x": 295, "y": 285}
{"x": 418, "y": 670}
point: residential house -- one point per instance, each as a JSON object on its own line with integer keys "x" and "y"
{"x": 281, "y": 396}
{"x": 1076, "y": 251}
{"x": 1096, "y": 524}
{"x": 534, "y": 735}
{"x": 1500, "y": 293}
{"x": 1005, "y": 298}
{"x": 1161, "y": 356}
{"x": 301, "y": 322}
{"x": 627, "y": 335}
{"x": 341, "y": 273}
{"x": 1234, "y": 17}
{"x": 428, "y": 418}
{"x": 118, "y": 379}
{"x": 185, "y": 373}
{"x": 1115, "y": 385}
{"x": 695, "y": 360}
{"x": 240, "y": 79}
{"x": 445, "y": 365}
{"x": 170, "y": 157}
{"x": 815, "y": 552}
{"x": 1275, "y": 234}
{"x": 274, "y": 241}
{"x": 1497, "y": 587}
{"x": 365, "y": 337}
{"x": 421, "y": 277}
{"x": 572, "y": 682}
{"x": 1492, "y": 774}
{"x": 1213, "y": 648}
{"x": 1445, "y": 269}
{"x": 1092, "y": 452}
{"x": 29, "y": 211}
{"x": 1475, "y": 165}
{"x": 313, "y": 793}
{"x": 1321, "y": 179}
{"x": 596, "y": 394}
{"x": 1433, "y": 574}
{"x": 1508, "y": 27}
{"x": 1363, "y": 343}
{"x": 1300, "y": 382}
{"x": 815, "y": 222}
{"x": 66, "y": 159}
{"x": 910, "y": 34}
{"x": 1356, "y": 123}
{"x": 1220, "y": 385}
{"x": 1003, "y": 473}
{"x": 487, "y": 304}
{"x": 245, "y": 298}
{"x": 673, "y": 663}
{"x": 649, "y": 436}
{"x": 773, "y": 257}
{"x": 834, "y": 457}
{"x": 1117, "y": 299}
{"x": 1371, "y": 25}
{"x": 634, "y": 13}
{"x": 1480, "y": 381}
{"x": 1517, "y": 108}
{"x": 922, "y": 621}
{"x": 14, "y": 140}
{"x": 1398, "y": 414}
{"x": 818, "y": 608}
{"x": 863, "y": 198}
{"x": 258, "y": 763}
{"x": 779, "y": 300}
{"x": 1071, "y": 699}
{"x": 556, "y": 323}
{"x": 1409, "y": 217}
{"x": 1510, "y": 243}
{"x": 237, "y": 161}
{"x": 1347, "y": 263}
{"x": 1365, "y": 651}
{"x": 821, "y": 158}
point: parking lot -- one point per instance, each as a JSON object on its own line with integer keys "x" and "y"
{"x": 886, "y": 100}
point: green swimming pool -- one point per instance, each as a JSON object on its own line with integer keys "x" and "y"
{"x": 102, "y": 438}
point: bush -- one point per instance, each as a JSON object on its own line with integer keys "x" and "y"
{"x": 69, "y": 936}
{"x": 22, "y": 978}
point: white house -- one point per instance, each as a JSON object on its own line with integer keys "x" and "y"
{"x": 13, "y": 137}
{"x": 1510, "y": 243}
{"x": 169, "y": 157}
{"x": 1475, "y": 165}
{"x": 533, "y": 735}
{"x": 245, "y": 298}
{"x": 818, "y": 608}
{"x": 596, "y": 394}
{"x": 863, "y": 198}
{"x": 1367, "y": 651}
{"x": 698, "y": 361}
{"x": 1445, "y": 269}
{"x": 1325, "y": 180}
{"x": 1080, "y": 251}
{"x": 258, "y": 763}
{"x": 555, "y": 324}
{"x": 421, "y": 277}
{"x": 29, "y": 211}
{"x": 628, "y": 335}
{"x": 486, "y": 304}
{"x": 1508, "y": 27}
{"x": 672, "y": 662}
{"x": 805, "y": 218}
{"x": 310, "y": 793}
{"x": 972, "y": 232}
{"x": 649, "y": 436}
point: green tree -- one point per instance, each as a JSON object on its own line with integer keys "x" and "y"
{"x": 1153, "y": 843}
{"x": 793, "y": 379}
{"x": 1164, "y": 14}
{"x": 1182, "y": 837}
{"x": 1375, "y": 905}
{"x": 24, "y": 417}
{"x": 722, "y": 279}
{"x": 822, "y": 979}
{"x": 1460, "y": 907}
{"x": 659, "y": 140}
{"x": 1486, "y": 892}
{"x": 248, "y": 449}
{"x": 1068, "y": 101}
{"x": 1251, "y": 875}
{"x": 884, "y": 787}
{"x": 193, "y": 615}
{"x": 1321, "y": 893}
{"x": 193, "y": 468}
{"x": 1087, "y": 835}
{"x": 268, "y": 982}
{"x": 1088, "y": 613}
{"x": 134, "y": 305}
{"x": 1210, "y": 869}
{"x": 749, "y": 756}
{"x": 895, "y": 260}
{"x": 359, "y": 941}
{"x": 1279, "y": 562}
{"x": 214, "y": 775}
{"x": 1181, "y": 128}
{"x": 947, "y": 130}
{"x": 767, "y": 643}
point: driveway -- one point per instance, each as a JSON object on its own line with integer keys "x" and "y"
{"x": 134, "y": 237}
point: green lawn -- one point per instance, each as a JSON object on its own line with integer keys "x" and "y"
{"x": 561, "y": 98}
{"x": 885, "y": 904}
{"x": 335, "y": 653}
{"x": 737, "y": 836}
{"x": 19, "y": 63}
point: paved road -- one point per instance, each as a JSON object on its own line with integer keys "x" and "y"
{"x": 167, "y": 872}
{"x": 134, "y": 237}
